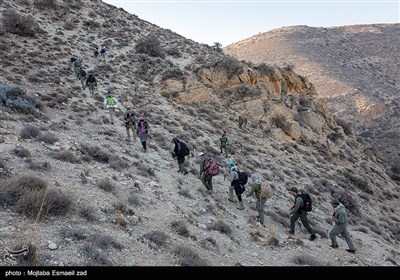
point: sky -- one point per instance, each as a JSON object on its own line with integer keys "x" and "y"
{"x": 227, "y": 22}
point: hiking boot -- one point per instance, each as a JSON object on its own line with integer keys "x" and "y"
{"x": 185, "y": 172}
{"x": 334, "y": 246}
{"x": 313, "y": 237}
{"x": 241, "y": 206}
{"x": 209, "y": 191}
{"x": 290, "y": 232}
{"x": 231, "y": 199}
{"x": 351, "y": 251}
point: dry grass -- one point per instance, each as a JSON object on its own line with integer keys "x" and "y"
{"x": 188, "y": 257}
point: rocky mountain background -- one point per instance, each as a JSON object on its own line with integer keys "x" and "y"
{"x": 354, "y": 68}
{"x": 78, "y": 193}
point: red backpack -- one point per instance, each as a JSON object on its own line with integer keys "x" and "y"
{"x": 211, "y": 167}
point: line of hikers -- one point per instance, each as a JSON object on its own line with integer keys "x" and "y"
{"x": 210, "y": 168}
{"x": 86, "y": 76}
{"x": 262, "y": 192}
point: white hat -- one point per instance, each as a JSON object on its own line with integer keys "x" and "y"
{"x": 201, "y": 154}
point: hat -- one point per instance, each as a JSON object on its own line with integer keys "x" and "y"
{"x": 335, "y": 201}
{"x": 254, "y": 177}
{"x": 201, "y": 154}
{"x": 294, "y": 189}
{"x": 141, "y": 118}
{"x": 230, "y": 163}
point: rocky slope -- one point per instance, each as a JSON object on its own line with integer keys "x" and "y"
{"x": 78, "y": 193}
{"x": 354, "y": 68}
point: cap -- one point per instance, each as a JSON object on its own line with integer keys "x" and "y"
{"x": 335, "y": 201}
{"x": 201, "y": 154}
{"x": 230, "y": 163}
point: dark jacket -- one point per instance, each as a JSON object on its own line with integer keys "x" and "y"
{"x": 177, "y": 150}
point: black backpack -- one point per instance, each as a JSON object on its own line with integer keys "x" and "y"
{"x": 73, "y": 59}
{"x": 82, "y": 73}
{"x": 243, "y": 177}
{"x": 91, "y": 79}
{"x": 184, "y": 151}
{"x": 307, "y": 202}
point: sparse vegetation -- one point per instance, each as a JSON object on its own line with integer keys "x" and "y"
{"x": 187, "y": 257}
{"x": 18, "y": 24}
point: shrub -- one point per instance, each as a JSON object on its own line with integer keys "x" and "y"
{"x": 88, "y": 213}
{"x": 21, "y": 152}
{"x": 18, "y": 24}
{"x": 187, "y": 257}
{"x": 96, "y": 255}
{"x": 231, "y": 65}
{"x": 222, "y": 227}
{"x": 67, "y": 156}
{"x": 133, "y": 199}
{"x": 106, "y": 185}
{"x": 281, "y": 122}
{"x": 40, "y": 165}
{"x": 173, "y": 73}
{"x": 15, "y": 98}
{"x": 74, "y": 234}
{"x": 180, "y": 228}
{"x": 157, "y": 237}
{"x": 105, "y": 241}
{"x": 32, "y": 198}
{"x": 45, "y": 4}
{"x": 95, "y": 152}
{"x": 150, "y": 45}
{"x": 48, "y": 138}
{"x": 29, "y": 132}
{"x": 347, "y": 126}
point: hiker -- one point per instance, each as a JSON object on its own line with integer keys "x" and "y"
{"x": 242, "y": 122}
{"x": 103, "y": 53}
{"x": 142, "y": 131}
{"x": 340, "y": 218}
{"x": 208, "y": 169}
{"x": 110, "y": 102}
{"x": 91, "y": 83}
{"x": 233, "y": 177}
{"x": 177, "y": 153}
{"x": 297, "y": 212}
{"x": 223, "y": 143}
{"x": 255, "y": 188}
{"x": 130, "y": 122}
{"x": 77, "y": 67}
{"x": 96, "y": 56}
{"x": 72, "y": 60}
{"x": 82, "y": 77}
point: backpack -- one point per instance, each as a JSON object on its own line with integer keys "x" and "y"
{"x": 103, "y": 50}
{"x": 243, "y": 177}
{"x": 110, "y": 101}
{"x": 91, "y": 79}
{"x": 184, "y": 151}
{"x": 266, "y": 191}
{"x": 144, "y": 127}
{"x": 73, "y": 59}
{"x": 82, "y": 73}
{"x": 211, "y": 167}
{"x": 96, "y": 53}
{"x": 307, "y": 202}
{"x": 77, "y": 63}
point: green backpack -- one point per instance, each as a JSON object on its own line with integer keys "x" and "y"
{"x": 110, "y": 101}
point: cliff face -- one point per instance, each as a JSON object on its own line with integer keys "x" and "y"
{"x": 78, "y": 192}
{"x": 354, "y": 68}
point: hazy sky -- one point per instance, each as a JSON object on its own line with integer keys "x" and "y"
{"x": 226, "y": 22}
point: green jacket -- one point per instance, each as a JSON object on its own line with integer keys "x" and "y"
{"x": 254, "y": 188}
{"x": 224, "y": 141}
